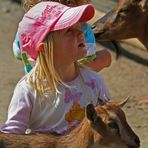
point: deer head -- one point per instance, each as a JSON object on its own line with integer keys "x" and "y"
{"x": 127, "y": 20}
{"x": 110, "y": 126}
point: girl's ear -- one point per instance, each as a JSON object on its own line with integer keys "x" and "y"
{"x": 40, "y": 47}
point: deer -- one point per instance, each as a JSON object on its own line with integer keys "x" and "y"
{"x": 104, "y": 126}
{"x": 127, "y": 20}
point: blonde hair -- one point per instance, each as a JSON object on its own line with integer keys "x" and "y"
{"x": 30, "y": 3}
{"x": 44, "y": 78}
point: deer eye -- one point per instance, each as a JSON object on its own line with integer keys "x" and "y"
{"x": 113, "y": 124}
{"x": 123, "y": 10}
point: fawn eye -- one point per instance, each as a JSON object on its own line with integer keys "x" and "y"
{"x": 113, "y": 124}
{"x": 123, "y": 11}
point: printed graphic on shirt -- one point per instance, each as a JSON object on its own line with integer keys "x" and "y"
{"x": 75, "y": 115}
{"x": 72, "y": 97}
{"x": 91, "y": 83}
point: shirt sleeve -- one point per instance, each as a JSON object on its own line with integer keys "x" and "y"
{"x": 18, "y": 112}
{"x": 103, "y": 93}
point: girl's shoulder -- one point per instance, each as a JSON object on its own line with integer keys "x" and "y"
{"x": 86, "y": 73}
{"x": 24, "y": 85}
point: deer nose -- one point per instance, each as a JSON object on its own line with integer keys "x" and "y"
{"x": 136, "y": 143}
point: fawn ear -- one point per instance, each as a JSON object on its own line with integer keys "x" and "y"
{"x": 90, "y": 112}
{"x": 95, "y": 120}
{"x": 122, "y": 103}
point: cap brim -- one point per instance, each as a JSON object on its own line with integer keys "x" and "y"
{"x": 73, "y": 15}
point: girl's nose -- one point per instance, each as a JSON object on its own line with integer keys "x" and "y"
{"x": 80, "y": 34}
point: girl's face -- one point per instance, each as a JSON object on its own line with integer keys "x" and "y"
{"x": 69, "y": 45}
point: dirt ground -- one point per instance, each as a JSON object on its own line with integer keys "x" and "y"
{"x": 127, "y": 76}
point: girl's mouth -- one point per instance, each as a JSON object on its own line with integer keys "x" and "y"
{"x": 81, "y": 45}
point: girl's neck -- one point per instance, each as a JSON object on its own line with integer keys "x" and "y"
{"x": 68, "y": 72}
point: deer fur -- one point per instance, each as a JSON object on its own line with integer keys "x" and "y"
{"x": 127, "y": 20}
{"x": 103, "y": 127}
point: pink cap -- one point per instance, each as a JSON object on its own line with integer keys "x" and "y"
{"x": 49, "y": 16}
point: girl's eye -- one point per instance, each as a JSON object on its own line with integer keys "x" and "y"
{"x": 69, "y": 29}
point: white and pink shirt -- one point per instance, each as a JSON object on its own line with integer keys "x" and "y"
{"x": 60, "y": 112}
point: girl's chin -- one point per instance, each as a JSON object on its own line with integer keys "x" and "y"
{"x": 82, "y": 52}
{"x": 81, "y": 57}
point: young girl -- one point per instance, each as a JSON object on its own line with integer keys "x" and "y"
{"x": 94, "y": 60}
{"x": 53, "y": 95}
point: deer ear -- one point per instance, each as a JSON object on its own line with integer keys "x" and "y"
{"x": 122, "y": 103}
{"x": 90, "y": 112}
